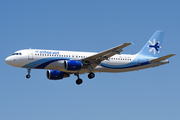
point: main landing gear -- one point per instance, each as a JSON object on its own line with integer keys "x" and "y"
{"x": 80, "y": 81}
{"x": 28, "y": 75}
{"x": 91, "y": 75}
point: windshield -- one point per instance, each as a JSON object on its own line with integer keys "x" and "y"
{"x": 16, "y": 54}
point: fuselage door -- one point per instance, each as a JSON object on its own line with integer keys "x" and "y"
{"x": 30, "y": 55}
{"x": 138, "y": 61}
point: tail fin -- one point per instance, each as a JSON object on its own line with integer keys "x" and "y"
{"x": 153, "y": 46}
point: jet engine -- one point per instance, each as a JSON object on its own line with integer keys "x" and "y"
{"x": 56, "y": 75}
{"x": 72, "y": 65}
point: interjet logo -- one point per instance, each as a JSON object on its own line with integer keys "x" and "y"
{"x": 154, "y": 46}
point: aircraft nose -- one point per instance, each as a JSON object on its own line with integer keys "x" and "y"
{"x": 8, "y": 60}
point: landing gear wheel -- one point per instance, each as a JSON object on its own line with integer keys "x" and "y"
{"x": 28, "y": 76}
{"x": 91, "y": 75}
{"x": 79, "y": 81}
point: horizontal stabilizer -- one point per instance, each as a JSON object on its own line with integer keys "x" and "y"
{"x": 162, "y": 58}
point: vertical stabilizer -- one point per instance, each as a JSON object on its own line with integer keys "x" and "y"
{"x": 153, "y": 46}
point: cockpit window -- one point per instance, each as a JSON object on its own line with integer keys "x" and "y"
{"x": 17, "y": 54}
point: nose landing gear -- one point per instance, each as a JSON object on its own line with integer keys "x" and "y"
{"x": 28, "y": 75}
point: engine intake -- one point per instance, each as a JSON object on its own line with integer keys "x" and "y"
{"x": 72, "y": 65}
{"x": 56, "y": 75}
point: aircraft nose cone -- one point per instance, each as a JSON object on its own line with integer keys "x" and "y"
{"x": 8, "y": 60}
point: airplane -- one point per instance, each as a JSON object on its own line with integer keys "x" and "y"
{"x": 61, "y": 64}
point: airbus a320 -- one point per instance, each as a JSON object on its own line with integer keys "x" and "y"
{"x": 61, "y": 64}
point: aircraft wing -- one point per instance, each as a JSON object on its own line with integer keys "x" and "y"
{"x": 94, "y": 60}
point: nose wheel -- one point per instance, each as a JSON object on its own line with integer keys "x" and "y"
{"x": 28, "y": 75}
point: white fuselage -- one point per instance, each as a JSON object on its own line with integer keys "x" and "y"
{"x": 54, "y": 60}
{"x": 61, "y": 64}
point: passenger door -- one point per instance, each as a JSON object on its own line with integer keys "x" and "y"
{"x": 30, "y": 55}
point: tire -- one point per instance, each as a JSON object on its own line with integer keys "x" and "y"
{"x": 79, "y": 81}
{"x": 28, "y": 76}
{"x": 91, "y": 75}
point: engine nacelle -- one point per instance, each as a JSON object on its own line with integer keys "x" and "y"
{"x": 72, "y": 65}
{"x": 56, "y": 75}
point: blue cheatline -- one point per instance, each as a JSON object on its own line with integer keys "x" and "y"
{"x": 42, "y": 63}
{"x": 129, "y": 65}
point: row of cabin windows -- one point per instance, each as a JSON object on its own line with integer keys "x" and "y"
{"x": 79, "y": 56}
{"x": 120, "y": 59}
{"x": 60, "y": 55}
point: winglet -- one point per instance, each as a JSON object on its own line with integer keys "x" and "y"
{"x": 133, "y": 42}
{"x": 162, "y": 58}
